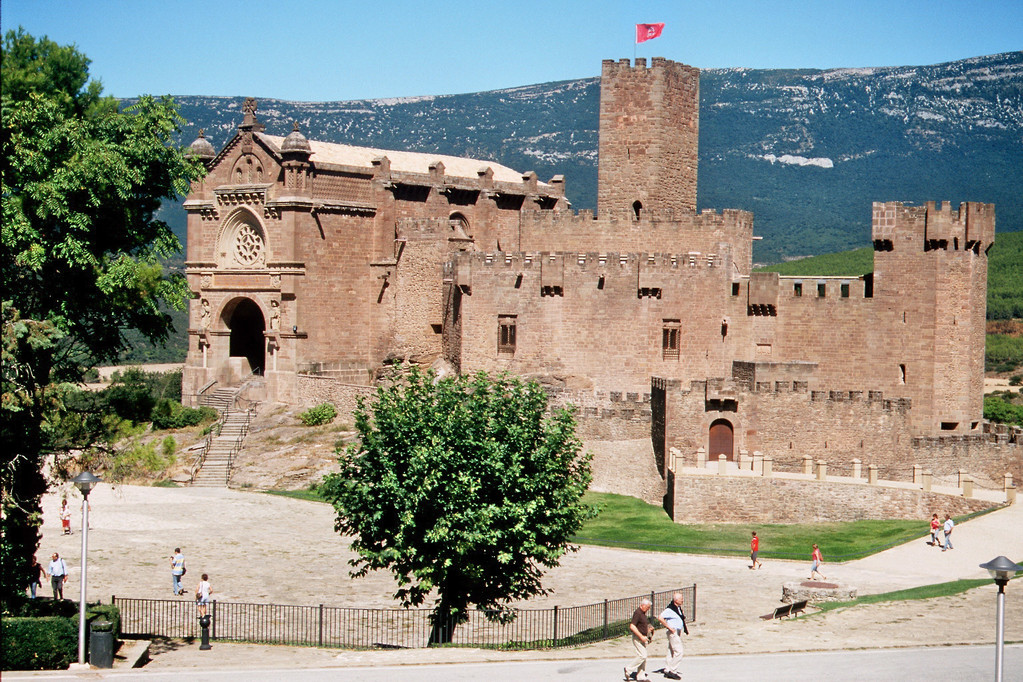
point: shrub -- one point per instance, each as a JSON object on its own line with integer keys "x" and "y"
{"x": 139, "y": 460}
{"x": 997, "y": 409}
{"x": 324, "y": 413}
{"x": 170, "y": 414}
{"x": 168, "y": 446}
{"x": 47, "y": 643}
{"x": 1016, "y": 380}
{"x": 129, "y": 396}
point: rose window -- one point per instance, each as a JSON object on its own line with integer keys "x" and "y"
{"x": 248, "y": 245}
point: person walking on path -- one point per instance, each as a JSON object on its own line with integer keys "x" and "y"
{"x": 818, "y": 560}
{"x": 177, "y": 571}
{"x": 935, "y": 525}
{"x": 58, "y": 575}
{"x": 203, "y": 592}
{"x": 65, "y": 517}
{"x": 674, "y": 619}
{"x": 642, "y": 634}
{"x": 754, "y": 549}
{"x": 947, "y": 530}
{"x": 38, "y": 573}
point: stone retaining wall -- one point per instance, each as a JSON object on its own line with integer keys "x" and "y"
{"x": 714, "y": 499}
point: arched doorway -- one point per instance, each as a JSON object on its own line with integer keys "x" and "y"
{"x": 721, "y": 440}
{"x": 245, "y": 320}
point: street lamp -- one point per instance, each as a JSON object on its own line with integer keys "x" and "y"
{"x": 1001, "y": 570}
{"x": 85, "y": 482}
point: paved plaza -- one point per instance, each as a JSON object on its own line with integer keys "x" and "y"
{"x": 264, "y": 548}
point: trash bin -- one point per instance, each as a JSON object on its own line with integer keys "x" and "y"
{"x": 101, "y": 644}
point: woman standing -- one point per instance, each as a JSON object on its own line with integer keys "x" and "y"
{"x": 935, "y": 526}
{"x": 203, "y": 592}
{"x": 818, "y": 559}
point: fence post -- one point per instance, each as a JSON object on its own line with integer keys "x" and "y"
{"x": 605, "y": 617}
{"x": 555, "y": 643}
{"x": 214, "y": 631}
{"x": 321, "y": 625}
{"x": 694, "y": 602}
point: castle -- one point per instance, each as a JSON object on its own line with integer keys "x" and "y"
{"x": 309, "y": 259}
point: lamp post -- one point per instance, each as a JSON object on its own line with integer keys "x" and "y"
{"x": 85, "y": 482}
{"x": 1001, "y": 570}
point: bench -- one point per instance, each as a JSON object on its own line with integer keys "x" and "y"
{"x": 786, "y": 610}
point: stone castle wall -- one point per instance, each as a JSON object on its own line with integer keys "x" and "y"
{"x": 716, "y": 499}
{"x": 595, "y": 320}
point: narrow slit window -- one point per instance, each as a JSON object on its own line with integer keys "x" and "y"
{"x": 822, "y": 289}
{"x": 845, "y": 290}
{"x": 670, "y": 339}
{"x": 506, "y": 332}
{"x": 797, "y": 288}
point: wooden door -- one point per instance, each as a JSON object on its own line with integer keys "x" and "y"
{"x": 721, "y": 441}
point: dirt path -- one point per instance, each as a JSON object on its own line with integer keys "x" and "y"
{"x": 263, "y": 548}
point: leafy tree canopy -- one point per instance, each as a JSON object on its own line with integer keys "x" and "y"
{"x": 79, "y": 261}
{"x": 466, "y": 487}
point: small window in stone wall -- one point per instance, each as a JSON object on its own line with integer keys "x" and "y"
{"x": 735, "y": 288}
{"x": 797, "y": 289}
{"x": 506, "y": 333}
{"x": 845, "y": 290}
{"x": 822, "y": 289}
{"x": 670, "y": 341}
{"x": 902, "y": 374}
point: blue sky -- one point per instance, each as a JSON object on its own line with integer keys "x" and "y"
{"x": 319, "y": 50}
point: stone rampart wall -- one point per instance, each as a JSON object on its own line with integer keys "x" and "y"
{"x": 733, "y": 499}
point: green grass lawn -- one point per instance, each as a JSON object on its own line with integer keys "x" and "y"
{"x": 630, "y": 522}
{"x": 310, "y": 494}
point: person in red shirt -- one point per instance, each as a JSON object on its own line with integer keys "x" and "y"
{"x": 935, "y": 525}
{"x": 754, "y": 548}
{"x": 818, "y": 559}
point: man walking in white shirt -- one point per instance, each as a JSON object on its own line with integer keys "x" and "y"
{"x": 58, "y": 575}
{"x": 674, "y": 619}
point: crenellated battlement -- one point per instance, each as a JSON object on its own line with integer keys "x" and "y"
{"x": 628, "y": 262}
{"x": 625, "y": 67}
{"x": 614, "y": 218}
{"x": 933, "y": 226}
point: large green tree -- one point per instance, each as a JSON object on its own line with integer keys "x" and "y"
{"x": 464, "y": 487}
{"x": 80, "y": 256}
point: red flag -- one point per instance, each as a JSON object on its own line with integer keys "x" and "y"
{"x": 648, "y": 31}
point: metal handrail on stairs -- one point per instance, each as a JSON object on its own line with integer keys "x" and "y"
{"x": 239, "y": 441}
{"x": 200, "y": 458}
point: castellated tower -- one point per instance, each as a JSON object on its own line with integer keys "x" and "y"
{"x": 649, "y": 136}
{"x": 930, "y": 273}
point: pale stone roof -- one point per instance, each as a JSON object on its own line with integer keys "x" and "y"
{"x": 401, "y": 162}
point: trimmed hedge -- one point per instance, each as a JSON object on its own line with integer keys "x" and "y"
{"x": 35, "y": 632}
{"x": 48, "y": 643}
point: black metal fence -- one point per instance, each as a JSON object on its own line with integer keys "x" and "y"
{"x": 331, "y": 626}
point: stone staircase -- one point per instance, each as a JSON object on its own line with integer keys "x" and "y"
{"x": 213, "y": 467}
{"x": 220, "y": 400}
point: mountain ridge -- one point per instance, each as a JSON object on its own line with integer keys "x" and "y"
{"x": 806, "y": 150}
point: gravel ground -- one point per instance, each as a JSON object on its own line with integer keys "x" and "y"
{"x": 263, "y": 548}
